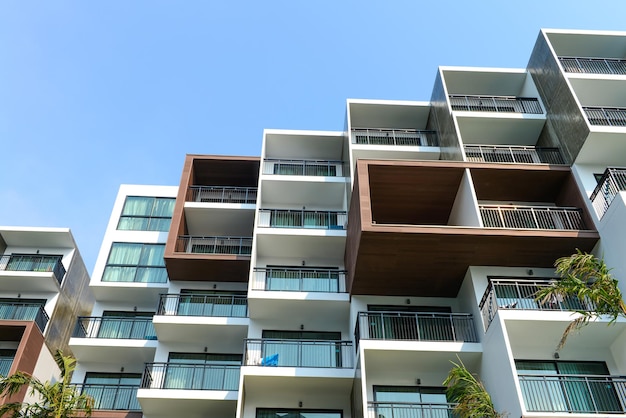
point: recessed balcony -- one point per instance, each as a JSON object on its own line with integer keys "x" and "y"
{"x": 222, "y": 194}
{"x": 24, "y": 312}
{"x": 30, "y": 272}
{"x": 513, "y": 154}
{"x": 584, "y": 65}
{"x": 302, "y": 219}
{"x": 531, "y": 217}
{"x": 214, "y": 245}
{"x": 613, "y": 182}
{"x": 395, "y": 137}
{"x": 315, "y": 168}
{"x": 294, "y": 279}
{"x": 299, "y": 353}
{"x": 605, "y": 116}
{"x": 405, "y": 410}
{"x": 500, "y": 104}
{"x": 111, "y": 397}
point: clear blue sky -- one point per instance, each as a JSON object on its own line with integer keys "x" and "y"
{"x": 94, "y": 94}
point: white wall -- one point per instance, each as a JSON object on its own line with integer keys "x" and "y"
{"x": 465, "y": 209}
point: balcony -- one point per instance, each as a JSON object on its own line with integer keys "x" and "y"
{"x": 24, "y": 312}
{"x": 410, "y": 410}
{"x": 111, "y": 327}
{"x": 513, "y": 154}
{"x": 297, "y": 353}
{"x": 18, "y": 272}
{"x": 408, "y": 326}
{"x": 501, "y": 104}
{"x": 190, "y": 376}
{"x": 612, "y": 182}
{"x": 316, "y": 168}
{"x": 214, "y": 245}
{"x": 307, "y": 219}
{"x": 582, "y": 394}
{"x": 299, "y": 280}
{"x": 520, "y": 294}
{"x": 222, "y": 194}
{"x": 111, "y": 397}
{"x": 606, "y": 116}
{"x": 395, "y": 137}
{"x": 531, "y": 217}
{"x": 585, "y": 65}
{"x": 203, "y": 305}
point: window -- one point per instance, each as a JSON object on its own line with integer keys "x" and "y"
{"x": 115, "y": 391}
{"x": 6, "y": 360}
{"x": 296, "y": 413}
{"x": 410, "y": 394}
{"x": 135, "y": 262}
{"x": 128, "y": 325}
{"x": 146, "y": 213}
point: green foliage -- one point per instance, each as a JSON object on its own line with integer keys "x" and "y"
{"x": 472, "y": 400}
{"x": 57, "y": 400}
{"x": 587, "y": 278}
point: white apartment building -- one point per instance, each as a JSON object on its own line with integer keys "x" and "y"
{"x": 340, "y": 274}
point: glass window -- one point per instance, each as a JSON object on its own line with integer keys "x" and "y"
{"x": 409, "y": 394}
{"x": 135, "y": 262}
{"x": 6, "y": 360}
{"x": 116, "y": 391}
{"x": 296, "y": 413}
{"x": 146, "y": 213}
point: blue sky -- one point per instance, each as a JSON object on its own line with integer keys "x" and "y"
{"x": 94, "y": 94}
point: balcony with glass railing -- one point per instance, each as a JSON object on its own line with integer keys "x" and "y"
{"x": 585, "y": 65}
{"x": 605, "y": 116}
{"x": 410, "y": 410}
{"x": 111, "y": 397}
{"x": 296, "y": 279}
{"x": 612, "y": 182}
{"x": 500, "y": 104}
{"x": 306, "y": 219}
{"x": 214, "y": 245}
{"x": 190, "y": 376}
{"x": 114, "y": 327}
{"x": 574, "y": 394}
{"x": 315, "y": 168}
{"x": 517, "y": 294}
{"x": 34, "y": 263}
{"x": 24, "y": 312}
{"x": 206, "y": 305}
{"x": 299, "y": 353}
{"x": 413, "y": 326}
{"x": 395, "y": 137}
{"x": 222, "y": 194}
{"x": 513, "y": 154}
{"x": 531, "y": 217}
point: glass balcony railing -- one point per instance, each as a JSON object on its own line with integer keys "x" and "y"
{"x": 299, "y": 280}
{"x": 111, "y": 397}
{"x": 606, "y": 116}
{"x": 395, "y": 137}
{"x": 410, "y": 326}
{"x": 299, "y": 353}
{"x": 613, "y": 182}
{"x": 410, "y": 410}
{"x": 196, "y": 304}
{"x": 222, "y": 194}
{"x": 35, "y": 263}
{"x": 24, "y": 312}
{"x": 521, "y": 294}
{"x": 112, "y": 327}
{"x": 593, "y": 65}
{"x": 190, "y": 376}
{"x": 513, "y": 154}
{"x": 307, "y": 219}
{"x": 502, "y": 104}
{"x": 531, "y": 217}
{"x": 214, "y": 245}
{"x": 581, "y": 394}
{"x": 315, "y": 168}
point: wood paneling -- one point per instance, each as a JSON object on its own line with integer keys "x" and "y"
{"x": 208, "y": 267}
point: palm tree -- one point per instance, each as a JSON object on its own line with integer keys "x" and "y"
{"x": 471, "y": 397}
{"x": 57, "y": 400}
{"x": 588, "y": 279}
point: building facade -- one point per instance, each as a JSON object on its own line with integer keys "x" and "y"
{"x": 340, "y": 273}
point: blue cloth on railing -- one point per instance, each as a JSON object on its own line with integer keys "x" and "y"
{"x": 270, "y": 360}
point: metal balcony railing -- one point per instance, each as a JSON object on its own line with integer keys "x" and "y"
{"x": 574, "y": 393}
{"x": 612, "y": 182}
{"x": 395, "y": 137}
{"x": 308, "y": 219}
{"x": 606, "y": 116}
{"x": 300, "y": 279}
{"x": 409, "y": 326}
{"x": 36, "y": 263}
{"x": 304, "y": 167}
{"x": 513, "y": 154}
{"x": 112, "y": 327}
{"x": 214, "y": 245}
{"x": 25, "y": 312}
{"x": 299, "y": 353}
{"x": 222, "y": 194}
{"x": 593, "y": 65}
{"x": 197, "y": 304}
{"x": 410, "y": 410}
{"x": 521, "y": 294}
{"x": 506, "y": 104}
{"x": 531, "y": 217}
{"x": 111, "y": 397}
{"x": 190, "y": 376}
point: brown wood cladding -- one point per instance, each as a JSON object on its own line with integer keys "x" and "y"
{"x": 208, "y": 267}
{"x": 431, "y": 260}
